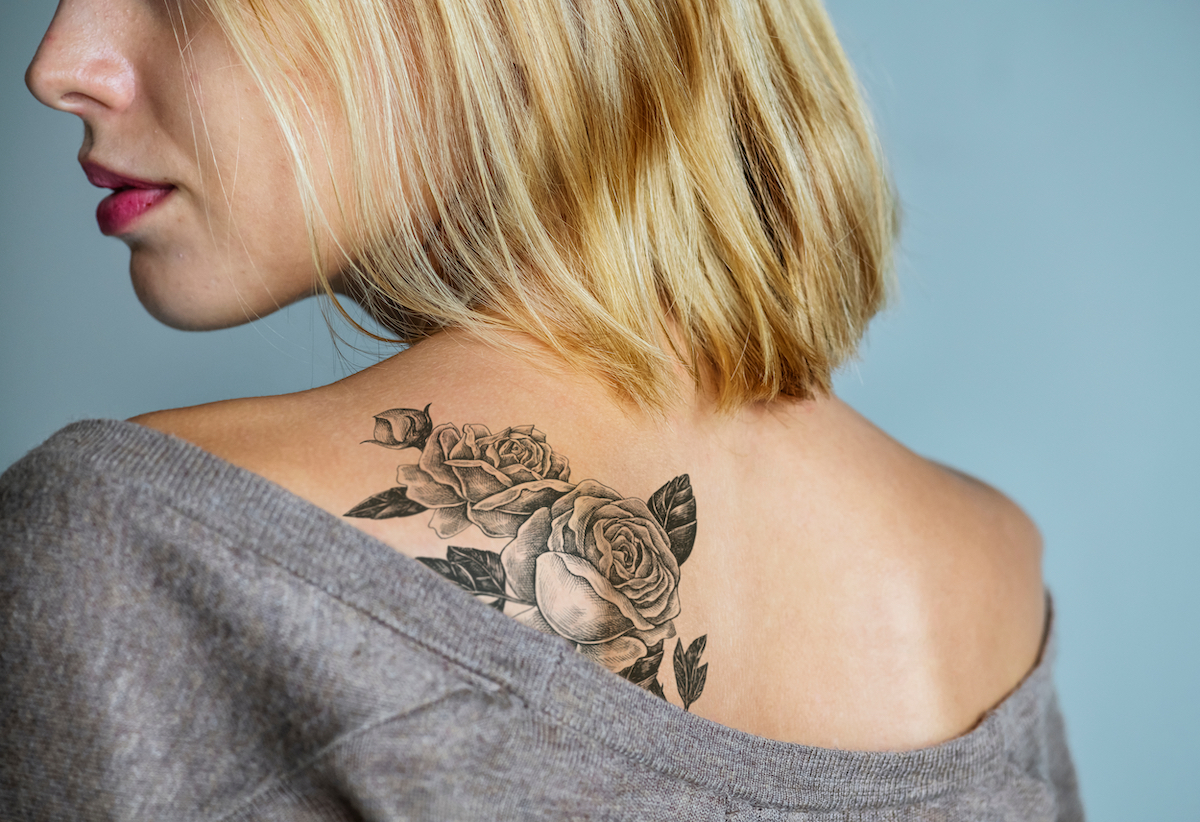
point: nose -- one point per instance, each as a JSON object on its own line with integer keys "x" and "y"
{"x": 79, "y": 66}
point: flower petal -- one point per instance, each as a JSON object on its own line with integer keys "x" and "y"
{"x": 519, "y": 556}
{"x": 384, "y": 435}
{"x": 559, "y": 468}
{"x": 656, "y": 634}
{"x": 617, "y": 654}
{"x": 598, "y": 551}
{"x": 479, "y": 479}
{"x": 581, "y": 604}
{"x": 534, "y": 619}
{"x": 587, "y": 488}
{"x": 496, "y": 524}
{"x": 525, "y": 498}
{"x": 583, "y": 514}
{"x": 468, "y": 448}
{"x": 425, "y": 489}
{"x": 638, "y": 510}
{"x": 662, "y": 607}
{"x": 519, "y": 474}
{"x": 449, "y": 521}
{"x": 433, "y": 457}
{"x": 402, "y": 428}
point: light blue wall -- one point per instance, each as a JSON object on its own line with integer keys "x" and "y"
{"x": 1045, "y": 335}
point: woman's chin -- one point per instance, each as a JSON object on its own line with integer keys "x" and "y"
{"x": 195, "y": 312}
{"x": 191, "y": 301}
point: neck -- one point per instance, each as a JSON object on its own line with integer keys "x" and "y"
{"x": 520, "y": 369}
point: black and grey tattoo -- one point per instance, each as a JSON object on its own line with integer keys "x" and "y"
{"x": 582, "y": 562}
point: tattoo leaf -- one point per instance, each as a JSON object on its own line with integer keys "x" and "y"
{"x": 674, "y": 507}
{"x": 393, "y": 502}
{"x": 690, "y": 675}
{"x": 440, "y": 566}
{"x": 645, "y": 670}
{"x": 476, "y": 572}
{"x": 481, "y": 571}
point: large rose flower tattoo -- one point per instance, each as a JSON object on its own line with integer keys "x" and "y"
{"x": 494, "y": 481}
{"x": 600, "y": 569}
{"x": 582, "y": 562}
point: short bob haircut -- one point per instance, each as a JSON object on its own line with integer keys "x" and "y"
{"x": 637, "y": 184}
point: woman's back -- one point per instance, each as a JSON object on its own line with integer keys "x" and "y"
{"x": 853, "y": 595}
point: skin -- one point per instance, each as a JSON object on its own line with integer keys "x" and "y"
{"x": 854, "y": 594}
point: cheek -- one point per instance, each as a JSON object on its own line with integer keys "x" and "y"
{"x": 244, "y": 159}
{"x": 250, "y": 242}
{"x": 260, "y": 217}
{"x": 247, "y": 188}
{"x": 234, "y": 244}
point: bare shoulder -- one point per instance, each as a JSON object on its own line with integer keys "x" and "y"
{"x": 223, "y": 428}
{"x": 914, "y": 592}
{"x": 186, "y": 422}
{"x": 308, "y": 443}
{"x": 1008, "y": 542}
{"x": 999, "y": 609}
{"x": 946, "y": 512}
{"x": 261, "y": 434}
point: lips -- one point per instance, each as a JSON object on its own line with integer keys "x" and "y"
{"x": 131, "y": 198}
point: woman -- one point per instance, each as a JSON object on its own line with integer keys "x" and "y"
{"x": 628, "y": 242}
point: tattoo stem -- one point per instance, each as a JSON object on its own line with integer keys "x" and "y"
{"x": 487, "y": 595}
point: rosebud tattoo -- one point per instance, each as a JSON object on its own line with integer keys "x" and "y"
{"x": 583, "y": 562}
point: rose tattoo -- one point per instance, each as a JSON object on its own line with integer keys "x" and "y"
{"x": 599, "y": 569}
{"x": 583, "y": 561}
{"x": 494, "y": 481}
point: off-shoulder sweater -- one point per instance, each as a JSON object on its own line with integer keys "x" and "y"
{"x": 181, "y": 639}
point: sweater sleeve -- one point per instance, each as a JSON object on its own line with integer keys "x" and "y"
{"x": 154, "y": 667}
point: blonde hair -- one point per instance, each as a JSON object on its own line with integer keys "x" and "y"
{"x": 634, "y": 183}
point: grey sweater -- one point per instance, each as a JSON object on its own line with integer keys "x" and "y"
{"x": 181, "y": 639}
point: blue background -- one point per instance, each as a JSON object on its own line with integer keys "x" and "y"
{"x": 1044, "y": 336}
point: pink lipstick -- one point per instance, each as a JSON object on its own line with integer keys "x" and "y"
{"x": 131, "y": 198}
